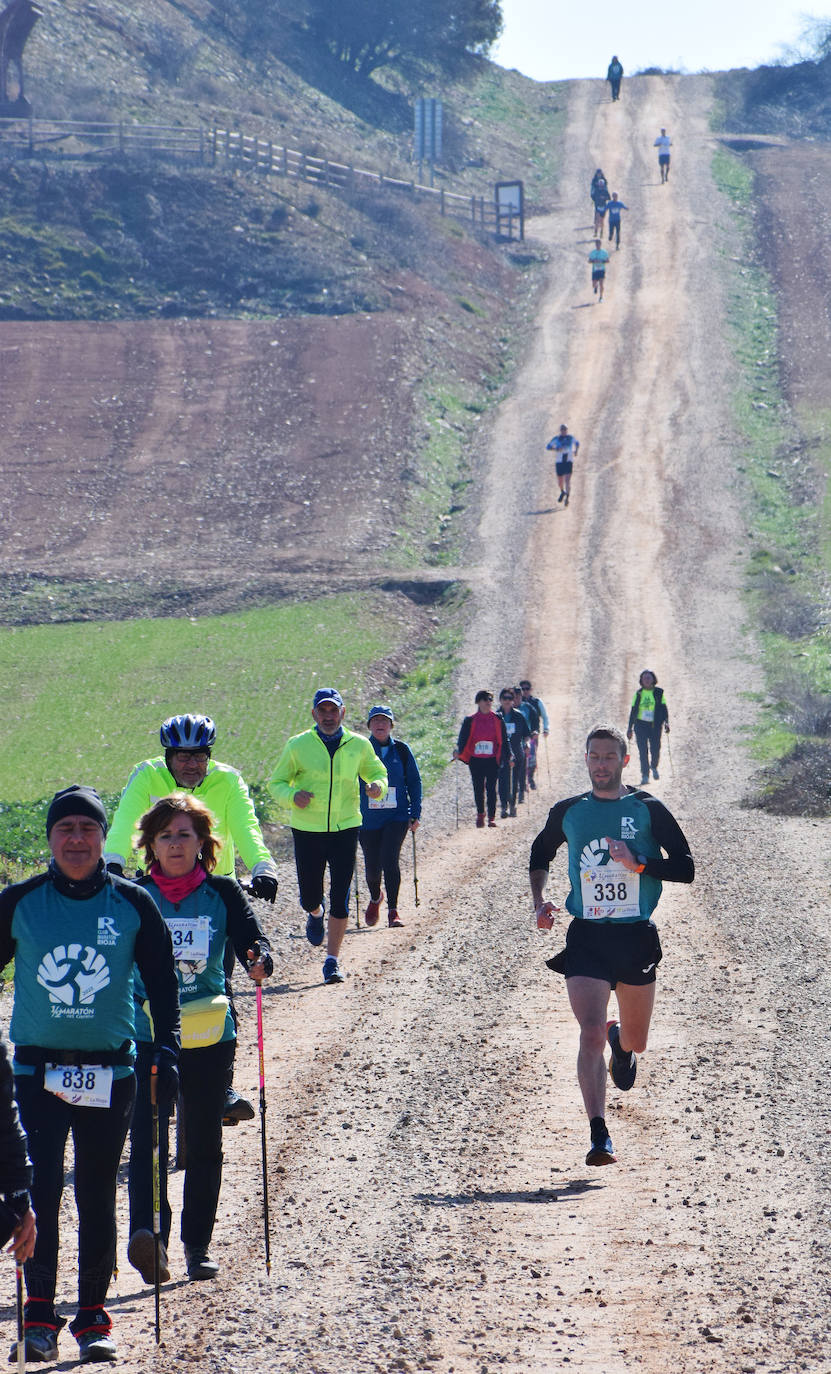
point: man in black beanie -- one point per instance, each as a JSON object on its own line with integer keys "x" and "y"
{"x": 78, "y": 931}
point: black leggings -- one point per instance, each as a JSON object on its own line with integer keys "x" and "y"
{"x": 98, "y": 1135}
{"x": 382, "y": 848}
{"x": 202, "y": 1075}
{"x": 313, "y": 850}
{"x": 483, "y": 775}
{"x": 648, "y": 737}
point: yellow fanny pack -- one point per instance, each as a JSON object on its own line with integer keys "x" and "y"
{"x": 203, "y": 1021}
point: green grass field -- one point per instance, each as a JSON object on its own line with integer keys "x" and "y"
{"x": 84, "y": 701}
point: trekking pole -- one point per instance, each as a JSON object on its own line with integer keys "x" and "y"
{"x": 547, "y": 763}
{"x": 415, "y": 868}
{"x": 357, "y": 901}
{"x": 21, "y": 1338}
{"x": 262, "y": 1127}
{"x": 457, "y": 799}
{"x": 669, "y": 754}
{"x": 157, "y": 1196}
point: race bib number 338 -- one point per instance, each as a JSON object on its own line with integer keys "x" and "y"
{"x": 610, "y": 893}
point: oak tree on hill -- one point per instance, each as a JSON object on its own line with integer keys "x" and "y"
{"x": 367, "y": 34}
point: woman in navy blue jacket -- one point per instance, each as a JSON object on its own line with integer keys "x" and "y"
{"x": 384, "y": 823}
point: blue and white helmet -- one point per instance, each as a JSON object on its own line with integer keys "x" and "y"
{"x": 188, "y": 732}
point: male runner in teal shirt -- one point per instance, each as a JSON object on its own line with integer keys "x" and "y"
{"x": 617, "y": 837}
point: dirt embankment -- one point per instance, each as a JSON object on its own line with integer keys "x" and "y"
{"x": 431, "y": 1207}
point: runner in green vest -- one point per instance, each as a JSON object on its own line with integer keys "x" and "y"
{"x": 648, "y": 716}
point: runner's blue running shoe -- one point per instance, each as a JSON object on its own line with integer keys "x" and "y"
{"x": 332, "y": 971}
{"x": 622, "y": 1066}
{"x": 602, "y": 1150}
{"x": 314, "y": 926}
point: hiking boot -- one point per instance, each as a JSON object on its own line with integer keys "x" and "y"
{"x": 200, "y": 1265}
{"x": 492, "y": 821}
{"x": 655, "y": 774}
{"x": 141, "y": 1253}
{"x": 314, "y": 926}
{"x": 644, "y": 781}
{"x": 513, "y": 810}
{"x": 236, "y": 1108}
{"x": 601, "y": 1150}
{"x": 394, "y": 920}
{"x": 373, "y": 910}
{"x": 40, "y": 1344}
{"x": 623, "y": 1065}
{"x": 332, "y": 971}
{"x": 480, "y": 821}
{"x": 96, "y": 1346}
{"x": 560, "y": 497}
{"x": 565, "y": 503}
{"x": 531, "y": 783}
{"x": 503, "y": 815}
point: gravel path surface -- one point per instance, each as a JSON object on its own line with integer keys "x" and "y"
{"x": 431, "y": 1206}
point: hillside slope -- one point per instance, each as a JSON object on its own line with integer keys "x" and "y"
{"x": 431, "y": 1205}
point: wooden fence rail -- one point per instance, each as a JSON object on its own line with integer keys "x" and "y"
{"x": 84, "y": 139}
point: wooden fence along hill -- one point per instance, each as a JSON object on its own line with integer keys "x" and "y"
{"x": 84, "y": 140}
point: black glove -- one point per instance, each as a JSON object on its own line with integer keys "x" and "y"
{"x": 264, "y": 886}
{"x": 117, "y": 869}
{"x": 265, "y": 954}
{"x": 167, "y": 1081}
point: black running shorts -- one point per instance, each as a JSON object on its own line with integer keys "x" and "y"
{"x": 563, "y": 467}
{"x": 618, "y": 952}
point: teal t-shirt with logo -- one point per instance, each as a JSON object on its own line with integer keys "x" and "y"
{"x": 73, "y": 970}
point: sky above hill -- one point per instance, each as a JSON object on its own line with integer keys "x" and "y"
{"x": 553, "y": 42}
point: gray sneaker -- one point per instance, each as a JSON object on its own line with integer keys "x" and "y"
{"x": 40, "y": 1344}
{"x": 96, "y": 1347}
{"x": 141, "y": 1254}
{"x": 200, "y": 1265}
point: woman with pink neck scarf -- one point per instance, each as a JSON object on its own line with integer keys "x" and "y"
{"x": 201, "y": 912}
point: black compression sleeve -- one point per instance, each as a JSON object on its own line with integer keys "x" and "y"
{"x": 678, "y": 867}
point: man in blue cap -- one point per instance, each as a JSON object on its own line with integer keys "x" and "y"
{"x": 316, "y": 781}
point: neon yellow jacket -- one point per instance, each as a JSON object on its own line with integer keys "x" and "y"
{"x": 307, "y": 766}
{"x": 226, "y": 797}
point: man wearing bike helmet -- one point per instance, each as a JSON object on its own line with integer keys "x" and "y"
{"x": 187, "y": 766}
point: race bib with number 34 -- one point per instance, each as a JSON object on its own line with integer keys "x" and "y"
{"x": 191, "y": 936}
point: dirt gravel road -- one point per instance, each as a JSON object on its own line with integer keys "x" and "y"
{"x": 431, "y": 1206}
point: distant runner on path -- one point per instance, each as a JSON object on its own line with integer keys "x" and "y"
{"x": 614, "y": 76}
{"x": 512, "y": 763}
{"x": 598, "y": 258}
{"x": 530, "y": 702}
{"x": 482, "y": 745}
{"x": 565, "y": 446}
{"x": 615, "y": 836}
{"x": 385, "y": 821}
{"x": 599, "y": 192}
{"x": 614, "y": 207}
{"x": 648, "y": 716}
{"x": 663, "y": 143}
